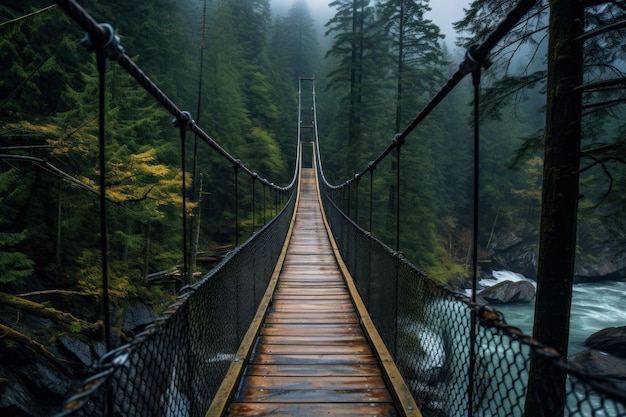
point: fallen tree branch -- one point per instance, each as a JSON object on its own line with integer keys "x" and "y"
{"x": 74, "y": 324}
{"x": 23, "y": 341}
{"x": 61, "y": 292}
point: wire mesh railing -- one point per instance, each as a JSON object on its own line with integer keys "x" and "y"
{"x": 176, "y": 365}
{"x": 428, "y": 330}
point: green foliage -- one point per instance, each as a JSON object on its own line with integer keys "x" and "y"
{"x": 14, "y": 266}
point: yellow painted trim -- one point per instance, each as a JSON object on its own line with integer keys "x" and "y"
{"x": 405, "y": 403}
{"x": 224, "y": 395}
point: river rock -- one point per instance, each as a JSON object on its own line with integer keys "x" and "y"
{"x": 458, "y": 284}
{"x": 78, "y": 349}
{"x": 509, "y": 292}
{"x": 136, "y": 316}
{"x": 610, "y": 340}
{"x": 516, "y": 250}
{"x": 14, "y": 399}
{"x": 601, "y": 365}
{"x": 609, "y": 265}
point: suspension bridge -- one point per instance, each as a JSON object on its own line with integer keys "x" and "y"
{"x": 313, "y": 315}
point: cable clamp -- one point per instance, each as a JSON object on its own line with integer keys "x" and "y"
{"x": 473, "y": 63}
{"x": 184, "y": 120}
{"x": 110, "y": 42}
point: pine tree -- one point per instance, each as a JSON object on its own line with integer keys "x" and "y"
{"x": 301, "y": 45}
{"x": 415, "y": 44}
{"x": 349, "y": 28}
{"x": 15, "y": 265}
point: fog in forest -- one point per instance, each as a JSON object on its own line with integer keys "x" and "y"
{"x": 443, "y": 13}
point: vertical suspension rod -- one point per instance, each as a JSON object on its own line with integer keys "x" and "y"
{"x": 104, "y": 238}
{"x": 476, "y": 69}
{"x": 183, "y": 137}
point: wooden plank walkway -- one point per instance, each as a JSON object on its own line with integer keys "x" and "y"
{"x": 310, "y": 356}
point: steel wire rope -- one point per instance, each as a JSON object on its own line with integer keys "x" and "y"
{"x": 476, "y": 73}
{"x": 101, "y": 65}
{"x": 183, "y": 125}
{"x": 102, "y": 62}
{"x": 48, "y": 167}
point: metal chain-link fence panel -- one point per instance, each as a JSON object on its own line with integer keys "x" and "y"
{"x": 175, "y": 366}
{"x": 459, "y": 359}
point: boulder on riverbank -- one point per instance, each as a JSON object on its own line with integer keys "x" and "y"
{"x": 508, "y": 292}
{"x": 516, "y": 250}
{"x": 610, "y": 340}
{"x": 602, "y": 366}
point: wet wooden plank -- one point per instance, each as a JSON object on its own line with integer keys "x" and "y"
{"x": 333, "y": 395}
{"x": 320, "y": 302}
{"x": 347, "y": 383}
{"x": 312, "y": 330}
{"x": 315, "y": 349}
{"x": 296, "y": 317}
{"x": 308, "y": 340}
{"x": 294, "y": 293}
{"x": 318, "y": 281}
{"x": 319, "y": 360}
{"x": 293, "y": 290}
{"x": 347, "y": 369}
{"x": 314, "y": 409}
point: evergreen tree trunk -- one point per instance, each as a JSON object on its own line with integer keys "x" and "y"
{"x": 353, "y": 76}
{"x": 359, "y": 80}
{"x": 59, "y": 229}
{"x": 557, "y": 246}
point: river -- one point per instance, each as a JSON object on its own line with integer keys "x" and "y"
{"x": 595, "y": 306}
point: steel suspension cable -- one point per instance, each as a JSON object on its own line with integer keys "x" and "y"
{"x": 476, "y": 72}
{"x": 104, "y": 237}
{"x": 253, "y": 204}
{"x": 236, "y": 167}
{"x": 199, "y": 106}
{"x": 371, "y": 197}
{"x": 101, "y": 63}
{"x": 183, "y": 125}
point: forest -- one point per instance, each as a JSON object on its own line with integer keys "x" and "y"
{"x": 234, "y": 65}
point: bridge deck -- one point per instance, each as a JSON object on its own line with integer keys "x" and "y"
{"x": 310, "y": 355}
